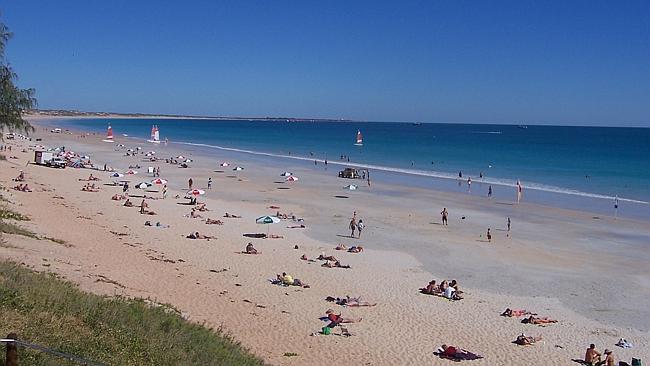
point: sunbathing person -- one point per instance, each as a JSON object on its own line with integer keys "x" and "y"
{"x": 231, "y": 216}
{"x": 516, "y": 313}
{"x": 91, "y": 177}
{"x": 210, "y": 221}
{"x": 250, "y": 249}
{"x": 304, "y": 258}
{"x": 327, "y": 258}
{"x": 539, "y": 321}
{"x": 128, "y": 203}
{"x": 455, "y": 353}
{"x": 349, "y": 301}
{"x": 337, "y": 319}
{"x": 290, "y": 281}
{"x": 524, "y": 340}
{"x": 195, "y": 215}
{"x": 26, "y": 188}
{"x": 273, "y": 236}
{"x": 430, "y": 289}
{"x": 334, "y": 264}
{"x": 357, "y": 249}
{"x": 301, "y": 226}
{"x": 196, "y": 235}
{"x": 341, "y": 247}
{"x": 202, "y": 208}
{"x": 118, "y": 197}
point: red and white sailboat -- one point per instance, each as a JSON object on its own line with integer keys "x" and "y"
{"x": 155, "y": 135}
{"x": 109, "y": 134}
{"x": 359, "y": 139}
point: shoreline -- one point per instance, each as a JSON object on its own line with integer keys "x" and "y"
{"x": 534, "y": 192}
{"x": 382, "y": 231}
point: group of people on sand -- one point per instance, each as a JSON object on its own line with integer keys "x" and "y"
{"x": 448, "y": 289}
{"x": 356, "y": 225}
{"x": 90, "y": 187}
{"x": 593, "y": 357}
{"x": 352, "y": 249}
{"x": 23, "y": 188}
{"x": 288, "y": 280}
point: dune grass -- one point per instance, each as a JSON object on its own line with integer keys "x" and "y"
{"x": 48, "y": 311}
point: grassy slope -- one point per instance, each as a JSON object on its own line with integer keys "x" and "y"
{"x": 45, "y": 310}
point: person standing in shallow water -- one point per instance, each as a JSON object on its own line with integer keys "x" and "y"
{"x": 445, "y": 215}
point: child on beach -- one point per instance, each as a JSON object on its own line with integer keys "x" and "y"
{"x": 360, "y": 227}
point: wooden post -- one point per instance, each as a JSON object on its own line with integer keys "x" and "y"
{"x": 11, "y": 358}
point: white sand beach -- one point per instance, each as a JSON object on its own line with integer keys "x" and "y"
{"x": 590, "y": 273}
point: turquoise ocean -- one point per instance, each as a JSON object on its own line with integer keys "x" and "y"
{"x": 573, "y": 167}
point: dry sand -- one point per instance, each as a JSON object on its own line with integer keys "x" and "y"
{"x": 543, "y": 267}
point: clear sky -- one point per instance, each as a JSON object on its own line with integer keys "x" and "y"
{"x": 558, "y": 62}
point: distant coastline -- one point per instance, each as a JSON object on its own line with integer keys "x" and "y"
{"x": 67, "y": 113}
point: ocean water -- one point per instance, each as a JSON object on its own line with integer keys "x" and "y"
{"x": 594, "y": 162}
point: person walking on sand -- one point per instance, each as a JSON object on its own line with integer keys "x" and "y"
{"x": 490, "y": 191}
{"x": 445, "y": 215}
{"x": 489, "y": 236}
{"x": 508, "y": 224}
{"x": 164, "y": 191}
{"x": 189, "y": 183}
{"x": 360, "y": 227}
{"x": 210, "y": 183}
{"x": 353, "y": 226}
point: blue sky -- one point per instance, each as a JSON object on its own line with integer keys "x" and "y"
{"x": 556, "y": 62}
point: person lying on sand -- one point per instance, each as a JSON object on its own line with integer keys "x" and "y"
{"x": 196, "y": 235}
{"x": 357, "y": 249}
{"x": 194, "y": 215}
{"x": 273, "y": 236}
{"x": 327, "y": 258}
{"x": 516, "y": 313}
{"x": 286, "y": 279}
{"x": 335, "y": 264}
{"x": 128, "y": 203}
{"x": 455, "y": 353}
{"x": 337, "y": 319}
{"x": 118, "y": 197}
{"x": 201, "y": 208}
{"x": 231, "y": 216}
{"x": 304, "y": 258}
{"x": 539, "y": 321}
{"x": 250, "y": 249}
{"x": 430, "y": 289}
{"x": 210, "y": 221}
{"x": 301, "y": 226}
{"x": 340, "y": 247}
{"x": 349, "y": 301}
{"x": 524, "y": 340}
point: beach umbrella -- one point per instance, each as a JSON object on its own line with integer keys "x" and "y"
{"x": 237, "y": 168}
{"x": 144, "y": 185}
{"x": 225, "y": 164}
{"x": 180, "y": 157}
{"x": 267, "y": 220}
{"x": 286, "y": 174}
{"x": 159, "y": 181}
{"x": 291, "y": 178}
{"x": 351, "y": 187}
{"x": 131, "y": 172}
{"x": 188, "y": 160}
{"x": 196, "y": 192}
{"x": 117, "y": 175}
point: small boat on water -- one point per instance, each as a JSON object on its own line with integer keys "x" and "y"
{"x": 155, "y": 135}
{"x": 109, "y": 134}
{"x": 416, "y": 123}
{"x": 523, "y": 127}
{"x": 359, "y": 139}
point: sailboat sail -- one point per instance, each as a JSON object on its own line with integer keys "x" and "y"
{"x": 109, "y": 134}
{"x": 359, "y": 138}
{"x": 155, "y": 135}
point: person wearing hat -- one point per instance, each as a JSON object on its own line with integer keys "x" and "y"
{"x": 609, "y": 359}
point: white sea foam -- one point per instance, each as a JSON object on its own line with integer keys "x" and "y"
{"x": 433, "y": 174}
